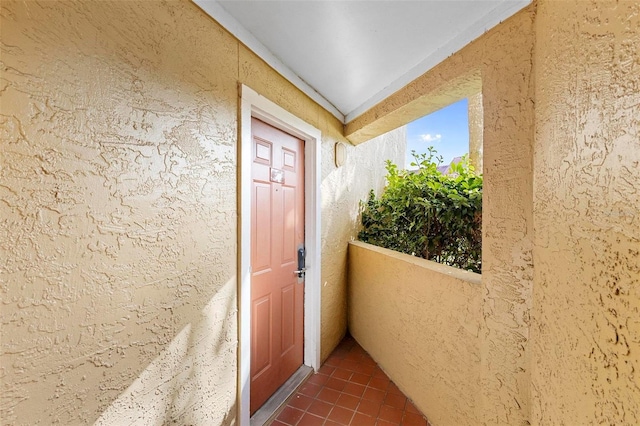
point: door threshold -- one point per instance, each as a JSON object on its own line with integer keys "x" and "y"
{"x": 277, "y": 400}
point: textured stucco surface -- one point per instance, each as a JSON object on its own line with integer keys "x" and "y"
{"x": 118, "y": 211}
{"x": 362, "y": 171}
{"x": 476, "y": 130}
{"x": 421, "y": 322}
{"x": 501, "y": 64}
{"x": 586, "y": 328}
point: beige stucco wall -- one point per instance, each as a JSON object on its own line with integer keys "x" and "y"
{"x": 118, "y": 211}
{"x": 342, "y": 188}
{"x": 586, "y": 315}
{"x": 476, "y": 130}
{"x": 421, "y": 322}
{"x": 500, "y": 63}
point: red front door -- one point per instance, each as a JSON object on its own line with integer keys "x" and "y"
{"x": 277, "y": 231}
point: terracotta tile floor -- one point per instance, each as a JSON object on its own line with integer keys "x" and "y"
{"x": 349, "y": 389}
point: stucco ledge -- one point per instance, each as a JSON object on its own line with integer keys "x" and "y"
{"x": 450, "y": 271}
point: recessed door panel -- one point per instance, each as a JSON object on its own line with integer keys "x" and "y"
{"x": 289, "y": 160}
{"x": 263, "y": 152}
{"x": 261, "y": 316}
{"x": 289, "y": 225}
{"x": 288, "y": 319}
{"x": 262, "y": 227}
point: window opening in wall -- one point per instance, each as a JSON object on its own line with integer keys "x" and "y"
{"x": 449, "y": 131}
{"x": 433, "y": 207}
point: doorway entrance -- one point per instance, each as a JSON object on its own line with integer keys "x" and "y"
{"x": 258, "y": 311}
{"x": 277, "y": 259}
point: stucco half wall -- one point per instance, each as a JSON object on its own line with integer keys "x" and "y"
{"x": 118, "y": 211}
{"x": 421, "y": 322}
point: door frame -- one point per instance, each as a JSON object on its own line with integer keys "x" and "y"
{"x": 254, "y": 105}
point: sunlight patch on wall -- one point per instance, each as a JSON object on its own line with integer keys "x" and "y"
{"x": 193, "y": 378}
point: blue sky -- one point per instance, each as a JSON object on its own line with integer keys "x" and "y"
{"x": 447, "y": 130}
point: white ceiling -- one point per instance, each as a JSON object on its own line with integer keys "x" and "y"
{"x": 349, "y": 55}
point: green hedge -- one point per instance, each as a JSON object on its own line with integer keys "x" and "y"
{"x": 428, "y": 214}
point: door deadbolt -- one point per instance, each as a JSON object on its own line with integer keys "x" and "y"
{"x": 302, "y": 254}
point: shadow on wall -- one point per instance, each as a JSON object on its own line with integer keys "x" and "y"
{"x": 193, "y": 380}
{"x": 342, "y": 189}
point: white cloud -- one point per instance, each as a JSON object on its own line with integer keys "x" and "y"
{"x": 428, "y": 137}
